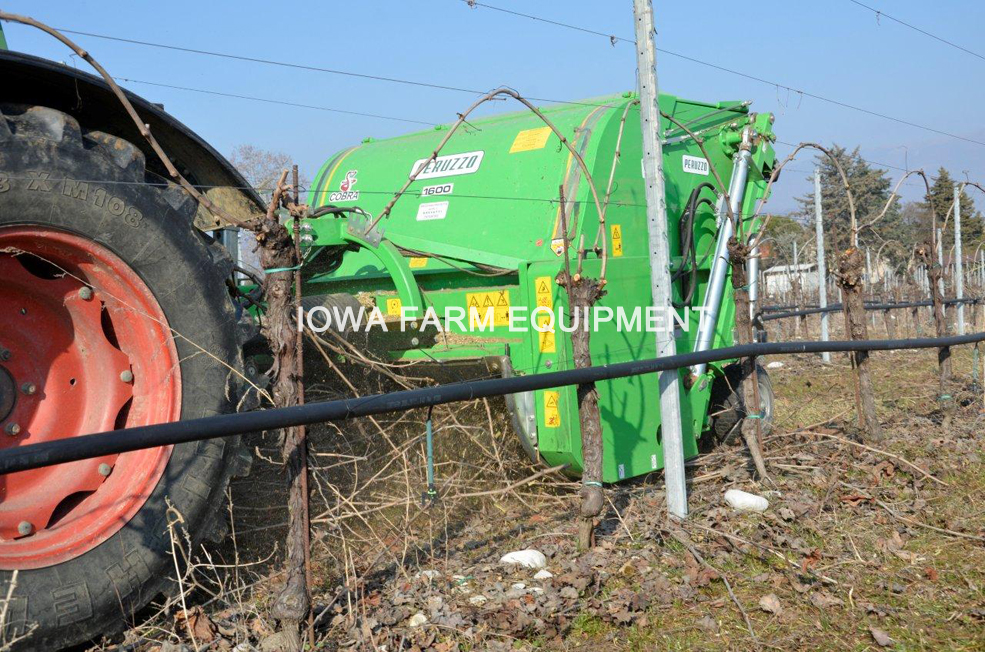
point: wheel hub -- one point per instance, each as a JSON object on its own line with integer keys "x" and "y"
{"x": 90, "y": 352}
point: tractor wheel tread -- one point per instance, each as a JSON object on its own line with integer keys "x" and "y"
{"x": 222, "y": 260}
{"x": 104, "y": 587}
{"x": 176, "y": 197}
{"x": 5, "y": 130}
{"x": 124, "y": 154}
{"x": 41, "y": 122}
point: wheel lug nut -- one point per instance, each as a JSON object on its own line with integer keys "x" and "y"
{"x": 4, "y": 354}
{"x": 105, "y": 469}
{"x": 126, "y": 376}
{"x": 85, "y": 293}
{"x": 12, "y": 429}
{"x": 29, "y": 388}
{"x": 25, "y": 528}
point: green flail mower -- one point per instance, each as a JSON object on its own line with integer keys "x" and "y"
{"x": 480, "y": 230}
{"x": 119, "y": 305}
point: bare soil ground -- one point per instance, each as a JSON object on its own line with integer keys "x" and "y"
{"x": 865, "y": 545}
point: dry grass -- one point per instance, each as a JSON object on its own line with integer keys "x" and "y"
{"x": 856, "y": 539}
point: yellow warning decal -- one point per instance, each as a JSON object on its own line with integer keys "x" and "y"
{"x": 530, "y": 139}
{"x": 616, "y": 232}
{"x": 393, "y": 306}
{"x": 418, "y": 262}
{"x": 543, "y": 291}
{"x": 498, "y": 302}
{"x": 546, "y": 338}
{"x": 552, "y": 409}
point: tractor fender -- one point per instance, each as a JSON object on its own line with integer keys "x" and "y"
{"x": 36, "y": 81}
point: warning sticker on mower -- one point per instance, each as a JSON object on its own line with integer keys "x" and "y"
{"x": 545, "y": 337}
{"x": 486, "y": 306}
{"x": 695, "y": 165}
{"x": 393, "y": 307}
{"x": 435, "y": 210}
{"x": 530, "y": 139}
{"x": 418, "y": 262}
{"x": 543, "y": 291}
{"x": 552, "y": 409}
{"x": 616, "y": 231}
{"x": 448, "y": 166}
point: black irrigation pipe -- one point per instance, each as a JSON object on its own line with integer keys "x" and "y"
{"x": 835, "y": 307}
{"x": 60, "y": 451}
{"x": 868, "y": 302}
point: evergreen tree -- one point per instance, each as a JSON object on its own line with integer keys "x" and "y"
{"x": 871, "y": 188}
{"x": 941, "y": 197}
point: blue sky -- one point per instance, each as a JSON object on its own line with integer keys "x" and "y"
{"x": 833, "y": 48}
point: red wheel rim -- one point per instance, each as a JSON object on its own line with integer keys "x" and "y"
{"x": 84, "y": 348}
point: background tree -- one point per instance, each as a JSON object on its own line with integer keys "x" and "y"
{"x": 871, "y": 188}
{"x": 784, "y": 231}
{"x": 941, "y": 197}
{"x": 261, "y": 167}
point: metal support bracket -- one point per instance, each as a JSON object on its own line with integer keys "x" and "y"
{"x": 358, "y": 230}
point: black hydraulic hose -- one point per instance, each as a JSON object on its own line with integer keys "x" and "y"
{"x": 688, "y": 243}
{"x": 60, "y": 451}
{"x": 329, "y": 209}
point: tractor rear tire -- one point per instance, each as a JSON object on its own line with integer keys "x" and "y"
{"x": 61, "y": 182}
{"x": 728, "y": 406}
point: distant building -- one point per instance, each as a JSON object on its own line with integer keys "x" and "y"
{"x": 778, "y": 278}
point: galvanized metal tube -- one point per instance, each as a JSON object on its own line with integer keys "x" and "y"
{"x": 752, "y": 271}
{"x": 660, "y": 280}
{"x": 940, "y": 260}
{"x": 719, "y": 266}
{"x": 958, "y": 263}
{"x": 430, "y": 455}
{"x": 822, "y": 272}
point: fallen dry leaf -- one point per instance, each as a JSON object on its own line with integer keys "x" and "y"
{"x": 891, "y": 543}
{"x": 854, "y": 499}
{"x": 258, "y": 627}
{"x": 823, "y": 600}
{"x": 884, "y": 469}
{"x": 770, "y": 604}
{"x": 708, "y": 624}
{"x": 197, "y": 623}
{"x": 811, "y": 560}
{"x": 881, "y": 638}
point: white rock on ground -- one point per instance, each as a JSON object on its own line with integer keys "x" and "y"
{"x": 417, "y": 620}
{"x": 526, "y": 558}
{"x": 478, "y": 600}
{"x": 774, "y": 365}
{"x": 746, "y": 502}
{"x": 543, "y": 574}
